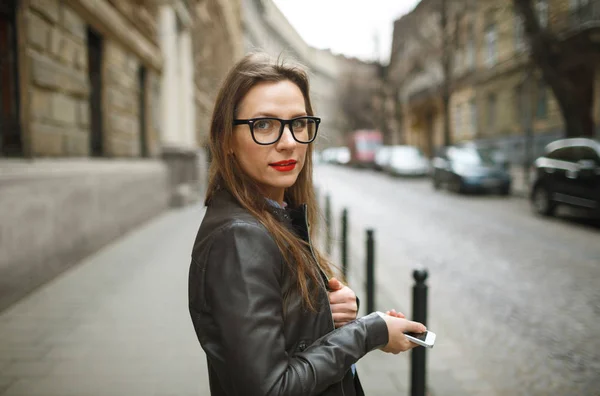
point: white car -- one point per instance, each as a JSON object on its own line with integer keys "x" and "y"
{"x": 382, "y": 157}
{"x": 407, "y": 161}
{"x": 336, "y": 155}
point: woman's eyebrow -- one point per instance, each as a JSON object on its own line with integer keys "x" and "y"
{"x": 267, "y": 114}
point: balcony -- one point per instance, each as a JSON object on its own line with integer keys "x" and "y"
{"x": 583, "y": 18}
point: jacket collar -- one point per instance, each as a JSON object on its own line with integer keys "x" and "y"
{"x": 294, "y": 217}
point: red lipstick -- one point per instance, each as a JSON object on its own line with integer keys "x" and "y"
{"x": 284, "y": 166}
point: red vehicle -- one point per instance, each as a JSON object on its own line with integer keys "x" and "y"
{"x": 363, "y": 145}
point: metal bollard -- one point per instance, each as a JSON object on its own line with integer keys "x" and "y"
{"x": 328, "y": 224}
{"x": 419, "y": 314}
{"x": 370, "y": 271}
{"x": 344, "y": 244}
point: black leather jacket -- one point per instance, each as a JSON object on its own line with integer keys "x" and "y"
{"x": 248, "y": 315}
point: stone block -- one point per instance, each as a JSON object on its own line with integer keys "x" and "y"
{"x": 38, "y": 31}
{"x": 40, "y": 104}
{"x": 56, "y": 41}
{"x": 122, "y": 99}
{"x": 81, "y": 59}
{"x": 73, "y": 23}
{"x": 64, "y": 109}
{"x": 121, "y": 124}
{"x": 117, "y": 76}
{"x": 48, "y": 73}
{"x": 47, "y": 140}
{"x": 68, "y": 51}
{"x": 114, "y": 54}
{"x": 132, "y": 64}
{"x": 49, "y": 8}
{"x": 83, "y": 113}
{"x": 123, "y": 147}
{"x": 77, "y": 144}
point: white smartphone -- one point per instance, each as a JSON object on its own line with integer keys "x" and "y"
{"x": 426, "y": 339}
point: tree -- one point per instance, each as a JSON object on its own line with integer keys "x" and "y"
{"x": 446, "y": 19}
{"x": 565, "y": 65}
{"x": 357, "y": 92}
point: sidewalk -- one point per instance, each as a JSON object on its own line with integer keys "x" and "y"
{"x": 117, "y": 324}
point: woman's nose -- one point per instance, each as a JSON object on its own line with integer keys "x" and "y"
{"x": 287, "y": 139}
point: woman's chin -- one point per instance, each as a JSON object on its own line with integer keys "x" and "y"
{"x": 284, "y": 181}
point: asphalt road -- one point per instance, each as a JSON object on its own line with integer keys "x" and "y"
{"x": 519, "y": 294}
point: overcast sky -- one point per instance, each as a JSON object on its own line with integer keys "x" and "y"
{"x": 347, "y": 26}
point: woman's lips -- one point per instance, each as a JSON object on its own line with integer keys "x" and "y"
{"x": 284, "y": 166}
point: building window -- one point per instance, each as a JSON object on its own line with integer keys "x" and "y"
{"x": 457, "y": 121}
{"x": 491, "y": 43}
{"x": 95, "y": 47}
{"x": 542, "y": 101}
{"x": 541, "y": 8}
{"x": 10, "y": 130}
{"x": 579, "y": 9}
{"x": 470, "y": 48}
{"x": 518, "y": 103}
{"x": 470, "y": 54}
{"x": 458, "y": 60}
{"x": 473, "y": 106}
{"x": 491, "y": 112}
{"x": 575, "y": 5}
{"x": 519, "y": 33}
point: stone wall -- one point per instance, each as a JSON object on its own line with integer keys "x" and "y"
{"x": 58, "y": 91}
{"x": 57, "y": 205}
{"x": 217, "y": 45}
{"x": 58, "y": 88}
{"x": 54, "y": 213}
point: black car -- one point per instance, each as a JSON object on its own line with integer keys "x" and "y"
{"x": 470, "y": 169}
{"x": 568, "y": 173}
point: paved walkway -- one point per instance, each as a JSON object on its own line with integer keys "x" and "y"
{"x": 117, "y": 324}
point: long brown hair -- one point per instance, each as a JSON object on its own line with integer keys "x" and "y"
{"x": 225, "y": 171}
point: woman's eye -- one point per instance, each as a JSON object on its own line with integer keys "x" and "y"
{"x": 263, "y": 124}
{"x": 299, "y": 124}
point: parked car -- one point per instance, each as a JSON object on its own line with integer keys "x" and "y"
{"x": 470, "y": 169}
{"x": 382, "y": 157}
{"x": 407, "y": 161}
{"x": 568, "y": 173}
{"x": 336, "y": 155}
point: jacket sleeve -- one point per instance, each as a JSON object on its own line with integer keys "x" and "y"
{"x": 243, "y": 294}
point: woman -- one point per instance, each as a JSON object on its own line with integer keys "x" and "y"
{"x": 258, "y": 287}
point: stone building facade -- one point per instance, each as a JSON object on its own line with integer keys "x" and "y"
{"x": 83, "y": 138}
{"x": 498, "y": 98}
{"x": 218, "y": 42}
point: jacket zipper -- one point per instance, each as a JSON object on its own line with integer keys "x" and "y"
{"x": 323, "y": 274}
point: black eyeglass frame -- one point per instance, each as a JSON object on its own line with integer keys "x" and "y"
{"x": 250, "y": 122}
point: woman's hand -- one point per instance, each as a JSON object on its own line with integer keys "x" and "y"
{"x": 397, "y": 325}
{"x": 395, "y": 314}
{"x": 343, "y": 303}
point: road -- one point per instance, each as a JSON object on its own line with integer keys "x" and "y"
{"x": 519, "y": 294}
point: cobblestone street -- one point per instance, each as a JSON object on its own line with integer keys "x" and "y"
{"x": 514, "y": 294}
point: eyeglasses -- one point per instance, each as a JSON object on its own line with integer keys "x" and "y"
{"x": 267, "y": 130}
